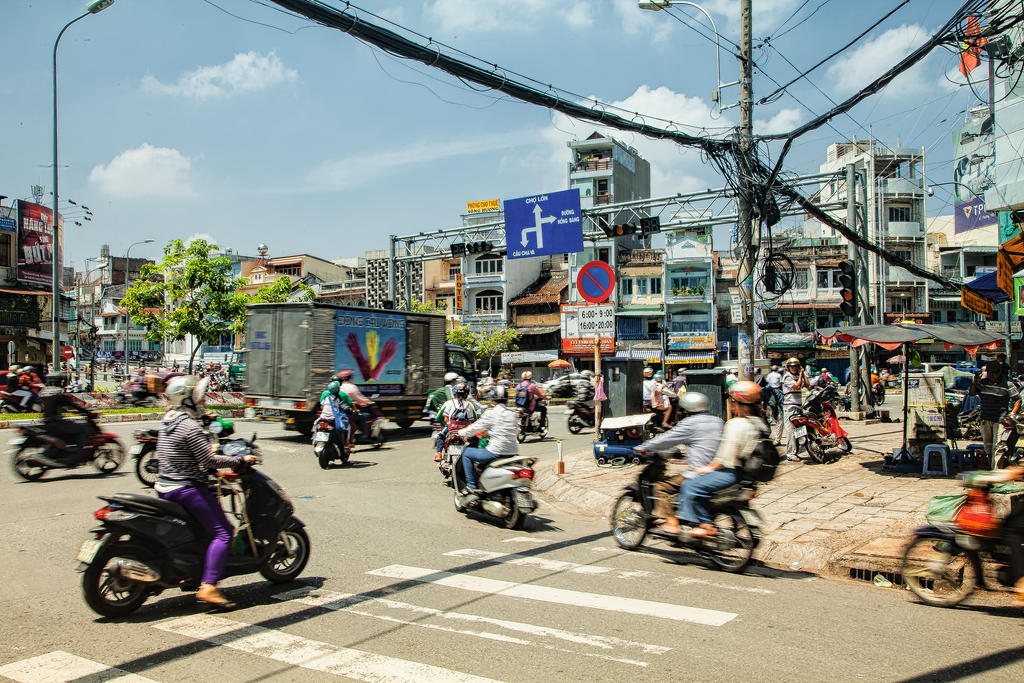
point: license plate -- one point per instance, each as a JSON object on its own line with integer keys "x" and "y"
{"x": 800, "y": 432}
{"x": 89, "y": 549}
{"x": 136, "y": 449}
{"x": 322, "y": 436}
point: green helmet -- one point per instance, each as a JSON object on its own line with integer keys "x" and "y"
{"x": 334, "y": 388}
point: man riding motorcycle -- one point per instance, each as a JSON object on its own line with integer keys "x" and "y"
{"x": 701, "y": 433}
{"x": 68, "y": 431}
{"x": 26, "y": 383}
{"x": 500, "y": 423}
{"x": 458, "y": 408}
{"x": 534, "y": 396}
{"x": 365, "y": 408}
{"x": 186, "y": 459}
{"x": 437, "y": 397}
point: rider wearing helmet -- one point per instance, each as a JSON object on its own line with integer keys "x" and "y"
{"x": 793, "y": 382}
{"x": 26, "y": 383}
{"x": 365, "y": 408}
{"x": 535, "y": 396}
{"x": 648, "y": 392}
{"x": 661, "y": 398}
{"x": 186, "y": 460}
{"x": 701, "y": 433}
{"x": 437, "y": 397}
{"x": 500, "y": 423}
{"x": 459, "y": 409}
{"x": 740, "y": 436}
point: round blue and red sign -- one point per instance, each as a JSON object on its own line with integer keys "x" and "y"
{"x": 596, "y": 282}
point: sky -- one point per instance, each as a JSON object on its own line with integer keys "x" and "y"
{"x": 232, "y": 120}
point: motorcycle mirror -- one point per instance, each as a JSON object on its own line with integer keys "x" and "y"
{"x": 253, "y": 440}
{"x": 216, "y": 427}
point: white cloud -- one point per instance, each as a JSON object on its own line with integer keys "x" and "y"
{"x": 784, "y": 121}
{"x": 342, "y": 174}
{"x": 453, "y": 16}
{"x": 873, "y": 58}
{"x": 246, "y": 72}
{"x": 637, "y": 22}
{"x": 145, "y": 171}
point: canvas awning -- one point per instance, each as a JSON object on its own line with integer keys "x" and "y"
{"x": 986, "y": 287}
{"x": 893, "y": 336}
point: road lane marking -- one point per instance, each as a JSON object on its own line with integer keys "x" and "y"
{"x": 309, "y": 654}
{"x": 61, "y": 667}
{"x": 576, "y": 568}
{"x": 359, "y": 604}
{"x": 523, "y": 539}
{"x": 560, "y": 596}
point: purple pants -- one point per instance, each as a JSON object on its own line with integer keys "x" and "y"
{"x": 204, "y": 507}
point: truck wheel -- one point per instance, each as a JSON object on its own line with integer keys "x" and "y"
{"x": 404, "y": 422}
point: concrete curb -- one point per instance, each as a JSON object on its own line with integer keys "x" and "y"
{"x": 237, "y": 415}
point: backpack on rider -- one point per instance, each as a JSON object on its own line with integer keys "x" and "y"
{"x": 763, "y": 460}
{"x": 523, "y": 395}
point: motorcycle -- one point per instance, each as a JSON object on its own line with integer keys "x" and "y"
{"x": 330, "y": 444}
{"x": 942, "y": 563}
{"x": 970, "y": 424}
{"x": 146, "y": 545}
{"x": 374, "y": 433}
{"x": 11, "y": 403}
{"x": 739, "y": 525}
{"x": 147, "y": 464}
{"x": 34, "y": 451}
{"x": 581, "y": 416}
{"x": 129, "y": 396}
{"x": 878, "y": 393}
{"x": 1008, "y": 453}
{"x": 816, "y": 427}
{"x": 451, "y": 449}
{"x": 505, "y": 484}
{"x": 530, "y": 422}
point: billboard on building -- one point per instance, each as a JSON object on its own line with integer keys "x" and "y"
{"x": 973, "y": 159}
{"x": 35, "y": 243}
{"x": 484, "y": 206}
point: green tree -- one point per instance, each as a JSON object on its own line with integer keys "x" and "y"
{"x": 492, "y": 343}
{"x": 191, "y": 291}
{"x": 427, "y": 306}
{"x": 282, "y": 290}
{"x": 464, "y": 337}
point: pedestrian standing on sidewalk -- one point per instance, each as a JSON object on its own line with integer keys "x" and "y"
{"x": 793, "y": 383}
{"x": 774, "y": 380}
{"x": 994, "y": 394}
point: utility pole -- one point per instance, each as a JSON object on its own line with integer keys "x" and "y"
{"x": 853, "y": 253}
{"x": 747, "y": 351}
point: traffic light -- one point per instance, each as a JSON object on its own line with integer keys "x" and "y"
{"x": 848, "y": 288}
{"x": 458, "y": 249}
{"x": 650, "y": 225}
{"x": 619, "y": 230}
{"x": 463, "y": 248}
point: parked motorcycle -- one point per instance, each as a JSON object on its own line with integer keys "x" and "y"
{"x": 147, "y": 464}
{"x": 34, "y": 451}
{"x": 970, "y": 424}
{"x": 816, "y": 427}
{"x": 146, "y": 545}
{"x": 1008, "y": 453}
{"x": 739, "y": 525}
{"x": 330, "y": 444}
{"x": 581, "y": 416}
{"x": 942, "y": 563}
{"x": 530, "y": 422}
{"x": 505, "y": 484}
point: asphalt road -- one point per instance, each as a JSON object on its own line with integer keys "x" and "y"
{"x": 401, "y": 587}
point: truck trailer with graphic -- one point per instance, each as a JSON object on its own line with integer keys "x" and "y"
{"x": 293, "y": 349}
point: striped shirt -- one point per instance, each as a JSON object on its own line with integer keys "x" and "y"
{"x": 183, "y": 450}
{"x": 501, "y": 426}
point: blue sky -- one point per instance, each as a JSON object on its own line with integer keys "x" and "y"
{"x": 179, "y": 119}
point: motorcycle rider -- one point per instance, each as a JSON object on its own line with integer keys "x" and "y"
{"x": 500, "y": 423}
{"x": 437, "y": 397}
{"x": 186, "y": 459}
{"x": 335, "y": 408}
{"x": 534, "y": 396}
{"x": 458, "y": 408}
{"x": 793, "y": 382}
{"x": 68, "y": 431}
{"x": 739, "y": 438}
{"x": 994, "y": 393}
{"x": 26, "y": 383}
{"x": 661, "y": 399}
{"x": 648, "y": 391}
{"x": 365, "y": 408}
{"x": 701, "y": 433}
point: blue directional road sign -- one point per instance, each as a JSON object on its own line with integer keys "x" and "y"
{"x": 543, "y": 224}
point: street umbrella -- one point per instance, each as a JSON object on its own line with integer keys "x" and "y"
{"x": 560, "y": 363}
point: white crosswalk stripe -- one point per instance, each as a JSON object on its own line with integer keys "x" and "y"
{"x": 309, "y": 654}
{"x": 577, "y": 568}
{"x": 412, "y": 615}
{"x": 562, "y": 596}
{"x": 60, "y": 667}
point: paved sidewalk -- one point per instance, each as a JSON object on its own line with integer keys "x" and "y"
{"x": 818, "y": 517}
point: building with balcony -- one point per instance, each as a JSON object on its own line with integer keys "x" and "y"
{"x": 440, "y": 278}
{"x": 309, "y": 270}
{"x": 896, "y": 218}
{"x": 350, "y": 290}
{"x": 688, "y": 293}
{"x": 640, "y": 305}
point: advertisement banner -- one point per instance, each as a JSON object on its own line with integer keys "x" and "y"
{"x": 1018, "y": 299}
{"x": 1004, "y": 272}
{"x": 687, "y": 341}
{"x": 458, "y": 293}
{"x": 373, "y": 345}
{"x": 585, "y": 347}
{"x": 510, "y": 357}
{"x": 8, "y": 225}
{"x": 35, "y": 243}
{"x": 485, "y": 206}
{"x": 973, "y": 157}
{"x": 974, "y": 303}
{"x": 972, "y": 214}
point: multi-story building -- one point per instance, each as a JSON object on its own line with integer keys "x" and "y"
{"x": 349, "y": 291}
{"x": 536, "y": 313}
{"x": 640, "y": 308}
{"x": 378, "y": 278}
{"x": 689, "y": 291}
{"x": 896, "y": 218}
{"x": 300, "y": 268}
{"x": 440, "y": 277}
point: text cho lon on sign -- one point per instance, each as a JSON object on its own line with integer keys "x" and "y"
{"x": 596, "y": 282}
{"x": 543, "y": 224}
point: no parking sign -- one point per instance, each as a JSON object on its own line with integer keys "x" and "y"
{"x": 596, "y": 282}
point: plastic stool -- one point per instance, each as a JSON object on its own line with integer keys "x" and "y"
{"x": 956, "y": 458}
{"x": 933, "y": 453}
{"x": 976, "y": 457}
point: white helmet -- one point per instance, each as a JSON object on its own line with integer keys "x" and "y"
{"x": 694, "y": 402}
{"x": 450, "y": 377}
{"x": 527, "y": 375}
{"x": 185, "y": 393}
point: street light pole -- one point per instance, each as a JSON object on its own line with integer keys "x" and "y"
{"x": 93, "y": 7}
{"x": 127, "y": 315}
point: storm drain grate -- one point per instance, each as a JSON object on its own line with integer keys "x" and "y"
{"x": 870, "y": 574}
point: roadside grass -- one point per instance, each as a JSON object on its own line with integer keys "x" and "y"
{"x": 107, "y": 411}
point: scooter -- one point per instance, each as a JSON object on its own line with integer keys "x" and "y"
{"x": 129, "y": 396}
{"x": 942, "y": 563}
{"x": 738, "y": 525}
{"x": 374, "y": 431}
{"x": 581, "y": 415}
{"x": 451, "y": 449}
{"x": 147, "y": 464}
{"x": 145, "y": 545}
{"x": 530, "y": 422}
{"x": 816, "y": 427}
{"x": 330, "y": 444}
{"x": 11, "y": 403}
{"x": 505, "y": 484}
{"x": 1008, "y": 453}
{"x": 34, "y": 451}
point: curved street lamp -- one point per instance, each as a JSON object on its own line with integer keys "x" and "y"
{"x": 94, "y": 7}
{"x": 127, "y": 315}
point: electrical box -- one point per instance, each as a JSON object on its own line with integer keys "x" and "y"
{"x": 624, "y": 385}
{"x": 711, "y": 383}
